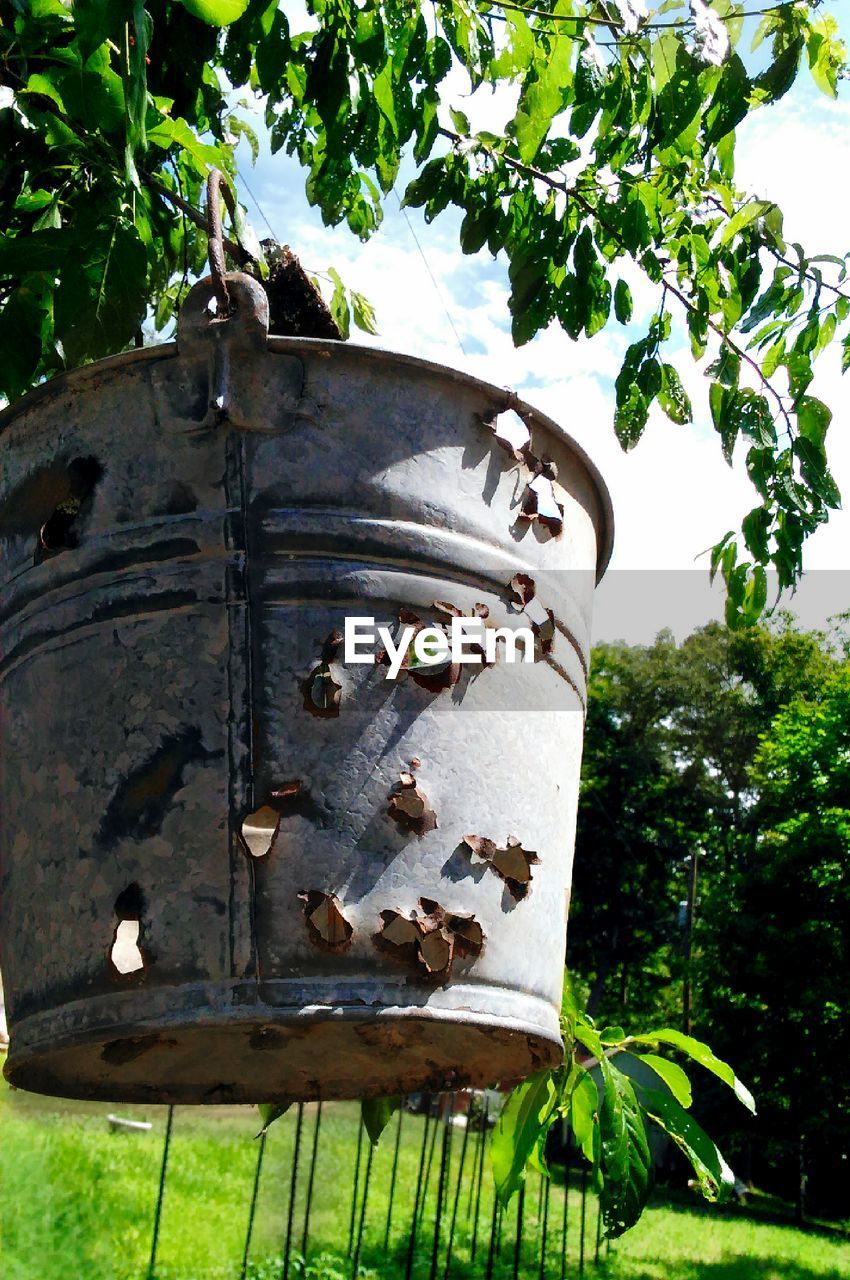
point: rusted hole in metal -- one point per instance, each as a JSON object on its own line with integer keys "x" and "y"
{"x": 512, "y": 863}
{"x": 327, "y": 926}
{"x": 58, "y": 532}
{"x": 434, "y": 675}
{"x": 409, "y": 807}
{"x": 260, "y": 829}
{"x": 125, "y": 953}
{"x": 539, "y": 502}
{"x": 508, "y": 429}
{"x": 322, "y": 690}
{"x": 430, "y": 938}
{"x": 522, "y": 589}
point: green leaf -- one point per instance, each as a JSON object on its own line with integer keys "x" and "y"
{"x": 44, "y": 87}
{"x": 340, "y": 309}
{"x": 97, "y": 21}
{"x": 625, "y": 1159}
{"x": 101, "y": 298}
{"x": 168, "y": 133}
{"x": 584, "y": 1107}
{"x": 775, "y": 82}
{"x": 673, "y": 398}
{"x": 542, "y": 96}
{"x": 743, "y": 218}
{"x": 826, "y": 54}
{"x": 671, "y": 1074}
{"x": 524, "y": 1116}
{"x": 701, "y": 1054}
{"x": 713, "y": 1174}
{"x": 269, "y": 1112}
{"x": 755, "y": 527}
{"x": 377, "y": 1113}
{"x": 363, "y": 313}
{"x": 622, "y": 302}
{"x": 218, "y": 13}
{"x": 136, "y": 88}
{"x": 730, "y": 103}
{"x": 20, "y": 340}
{"x": 630, "y": 418}
{"x": 813, "y": 418}
{"x": 39, "y": 251}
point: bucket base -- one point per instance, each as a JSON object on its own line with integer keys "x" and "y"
{"x": 265, "y": 1053}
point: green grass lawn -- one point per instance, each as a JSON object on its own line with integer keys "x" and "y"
{"x": 77, "y": 1203}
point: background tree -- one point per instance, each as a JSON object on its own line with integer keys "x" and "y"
{"x": 776, "y": 962}
{"x": 734, "y": 743}
{"x": 618, "y": 146}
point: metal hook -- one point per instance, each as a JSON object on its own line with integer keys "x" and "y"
{"x": 217, "y": 185}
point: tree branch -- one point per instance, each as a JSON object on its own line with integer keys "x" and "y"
{"x": 593, "y": 212}
{"x": 194, "y": 215}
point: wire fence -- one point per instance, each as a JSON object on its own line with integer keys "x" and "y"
{"x": 420, "y": 1205}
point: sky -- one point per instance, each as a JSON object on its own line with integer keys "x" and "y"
{"x": 673, "y": 495}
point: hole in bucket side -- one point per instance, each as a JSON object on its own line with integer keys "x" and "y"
{"x": 60, "y": 531}
{"x": 260, "y": 829}
{"x": 125, "y": 953}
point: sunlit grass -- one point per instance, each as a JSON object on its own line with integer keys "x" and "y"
{"x": 77, "y": 1201}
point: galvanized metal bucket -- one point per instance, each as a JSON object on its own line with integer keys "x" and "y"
{"x": 235, "y": 868}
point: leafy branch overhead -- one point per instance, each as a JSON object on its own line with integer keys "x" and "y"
{"x": 615, "y": 166}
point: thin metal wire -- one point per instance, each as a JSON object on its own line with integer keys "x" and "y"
{"x": 479, "y": 1138}
{"x": 463, "y": 1146}
{"x": 253, "y": 1210}
{"x": 355, "y": 1267}
{"x": 356, "y": 1184}
{"x": 491, "y": 1252}
{"x": 157, "y": 1217}
{"x": 411, "y": 1243}
{"x": 434, "y": 281}
{"x": 583, "y": 1220}
{"x": 566, "y": 1201}
{"x": 260, "y": 210}
{"x": 393, "y": 1176}
{"x": 485, "y": 1116}
{"x": 445, "y": 1156}
{"x": 520, "y": 1214}
{"x": 310, "y": 1181}
{"x": 293, "y": 1187}
{"x": 427, "y": 1182}
{"x": 545, "y": 1229}
{"x": 598, "y": 1229}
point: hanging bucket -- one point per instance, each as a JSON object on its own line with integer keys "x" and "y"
{"x": 235, "y": 867}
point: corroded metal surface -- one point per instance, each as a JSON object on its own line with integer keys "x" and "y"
{"x": 181, "y": 531}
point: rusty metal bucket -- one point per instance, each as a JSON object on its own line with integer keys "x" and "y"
{"x": 235, "y": 868}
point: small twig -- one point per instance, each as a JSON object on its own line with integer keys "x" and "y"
{"x": 242, "y": 256}
{"x": 582, "y": 20}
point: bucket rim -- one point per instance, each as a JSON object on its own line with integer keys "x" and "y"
{"x": 328, "y": 346}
